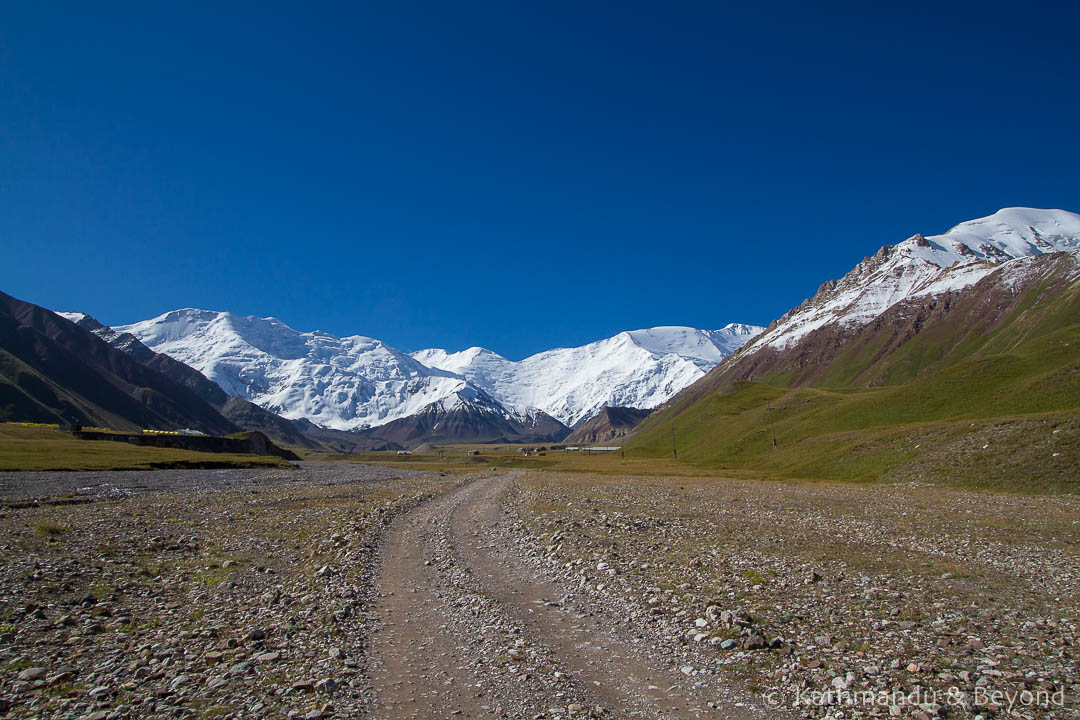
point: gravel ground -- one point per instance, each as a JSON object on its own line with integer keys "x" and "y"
{"x": 58, "y": 487}
{"x": 834, "y": 600}
{"x": 344, "y": 591}
{"x": 248, "y": 600}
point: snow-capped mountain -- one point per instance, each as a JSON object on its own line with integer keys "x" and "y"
{"x": 357, "y": 382}
{"x": 922, "y": 265}
{"x": 636, "y": 368}
{"x": 341, "y": 383}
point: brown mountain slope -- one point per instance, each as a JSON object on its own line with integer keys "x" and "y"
{"x": 608, "y": 424}
{"x": 51, "y": 370}
{"x": 917, "y": 336}
{"x": 471, "y": 422}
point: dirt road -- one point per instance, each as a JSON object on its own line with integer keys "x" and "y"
{"x": 470, "y": 628}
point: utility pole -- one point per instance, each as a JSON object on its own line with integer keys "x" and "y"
{"x": 772, "y": 428}
{"x": 674, "y": 450}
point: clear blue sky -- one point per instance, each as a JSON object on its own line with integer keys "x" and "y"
{"x": 518, "y": 176}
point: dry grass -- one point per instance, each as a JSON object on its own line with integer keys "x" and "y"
{"x": 505, "y": 457}
{"x": 25, "y": 447}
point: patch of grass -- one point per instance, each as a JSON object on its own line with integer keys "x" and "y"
{"x": 212, "y": 575}
{"x": 755, "y": 577}
{"x": 102, "y": 590}
{"x": 47, "y": 527}
{"x": 852, "y": 436}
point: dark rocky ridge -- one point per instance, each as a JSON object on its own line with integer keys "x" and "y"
{"x": 472, "y": 422}
{"x": 608, "y": 424}
{"x": 245, "y": 415}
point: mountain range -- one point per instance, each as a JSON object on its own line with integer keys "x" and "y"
{"x": 312, "y": 390}
{"x": 361, "y": 384}
{"x": 931, "y": 335}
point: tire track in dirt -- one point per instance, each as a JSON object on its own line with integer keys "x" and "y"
{"x": 424, "y": 661}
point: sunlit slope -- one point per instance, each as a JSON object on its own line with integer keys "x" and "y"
{"x": 980, "y": 386}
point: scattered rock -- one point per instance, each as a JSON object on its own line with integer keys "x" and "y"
{"x": 32, "y": 673}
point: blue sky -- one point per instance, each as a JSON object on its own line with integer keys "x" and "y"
{"x": 518, "y": 176}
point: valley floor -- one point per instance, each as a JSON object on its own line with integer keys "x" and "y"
{"x": 342, "y": 590}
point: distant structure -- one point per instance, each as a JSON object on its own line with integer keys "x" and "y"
{"x": 599, "y": 449}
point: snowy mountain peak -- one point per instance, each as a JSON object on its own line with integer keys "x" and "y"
{"x": 706, "y": 346}
{"x": 739, "y": 329}
{"x": 466, "y": 395}
{"x": 341, "y": 383}
{"x": 926, "y": 265}
{"x": 457, "y": 361}
{"x": 1007, "y": 234}
{"x": 638, "y": 368}
{"x": 75, "y": 317}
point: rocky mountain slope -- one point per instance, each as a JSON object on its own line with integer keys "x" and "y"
{"x": 638, "y": 368}
{"x": 53, "y": 371}
{"x": 973, "y": 380}
{"x": 925, "y": 266}
{"x": 608, "y": 424}
{"x": 472, "y": 416}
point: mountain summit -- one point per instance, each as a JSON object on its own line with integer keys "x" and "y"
{"x": 341, "y": 383}
{"x": 925, "y": 266}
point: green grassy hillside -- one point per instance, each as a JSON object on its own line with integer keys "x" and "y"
{"x": 985, "y": 392}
